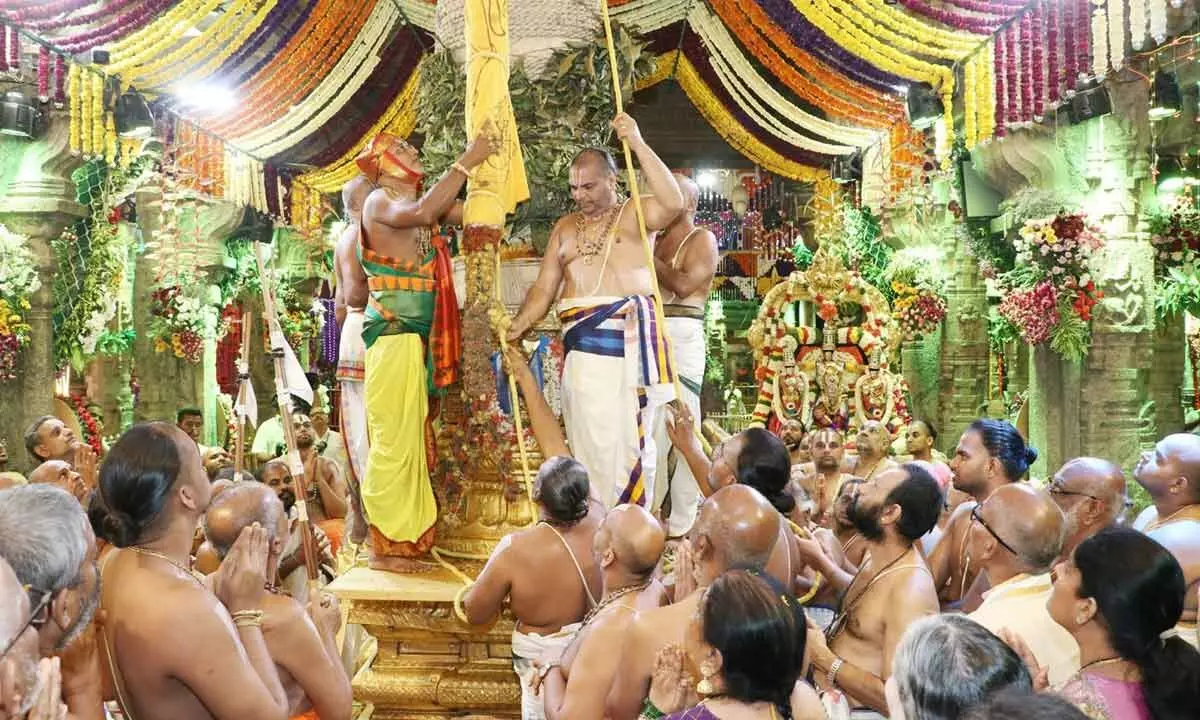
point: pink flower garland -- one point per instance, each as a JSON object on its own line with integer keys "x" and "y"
{"x": 1000, "y": 72}
{"x": 1083, "y": 34}
{"x": 1054, "y": 70}
{"x": 104, "y": 12}
{"x": 1070, "y": 49}
{"x": 1013, "y": 113}
{"x": 29, "y": 13}
{"x": 1027, "y": 69}
{"x": 970, "y": 23}
{"x": 14, "y": 49}
{"x": 1037, "y": 23}
{"x": 3, "y": 48}
{"x": 60, "y": 88}
{"x": 991, "y": 7}
{"x": 115, "y": 28}
{"x": 43, "y": 74}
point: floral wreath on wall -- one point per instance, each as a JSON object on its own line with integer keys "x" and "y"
{"x": 18, "y": 280}
{"x": 1050, "y": 293}
{"x": 180, "y": 321}
{"x": 1175, "y": 235}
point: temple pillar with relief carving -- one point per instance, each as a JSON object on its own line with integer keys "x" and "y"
{"x": 963, "y": 364}
{"x": 38, "y": 203}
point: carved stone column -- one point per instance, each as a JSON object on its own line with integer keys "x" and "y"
{"x": 963, "y": 376}
{"x": 38, "y": 203}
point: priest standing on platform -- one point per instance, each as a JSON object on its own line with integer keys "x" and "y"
{"x": 618, "y": 374}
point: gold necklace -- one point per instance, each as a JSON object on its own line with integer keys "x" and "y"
{"x": 613, "y": 597}
{"x": 164, "y": 558}
{"x": 1172, "y": 517}
{"x": 590, "y": 244}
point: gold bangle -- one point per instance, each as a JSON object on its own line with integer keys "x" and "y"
{"x": 248, "y": 618}
{"x": 462, "y": 169}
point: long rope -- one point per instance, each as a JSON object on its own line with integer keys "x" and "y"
{"x": 514, "y": 398}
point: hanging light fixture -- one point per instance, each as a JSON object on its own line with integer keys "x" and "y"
{"x": 924, "y": 106}
{"x": 132, "y": 115}
{"x": 19, "y": 116}
{"x": 1166, "y": 100}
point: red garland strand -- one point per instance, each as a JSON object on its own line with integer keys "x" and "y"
{"x": 60, "y": 88}
{"x": 43, "y": 74}
{"x": 88, "y": 424}
{"x": 1083, "y": 32}
{"x": 14, "y": 50}
{"x": 1070, "y": 46}
{"x": 31, "y": 13}
{"x": 999, "y": 66}
{"x": 1038, "y": 68}
{"x": 1053, "y": 65}
{"x": 1027, "y": 69}
{"x": 1013, "y": 112}
{"x": 3, "y": 47}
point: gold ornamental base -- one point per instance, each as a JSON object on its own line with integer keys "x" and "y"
{"x": 430, "y": 664}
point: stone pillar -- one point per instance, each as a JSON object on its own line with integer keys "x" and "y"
{"x": 963, "y": 376}
{"x": 38, "y": 203}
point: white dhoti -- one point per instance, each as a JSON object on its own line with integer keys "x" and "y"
{"x": 528, "y": 647}
{"x": 616, "y": 381}
{"x": 351, "y": 371}
{"x": 673, "y": 476}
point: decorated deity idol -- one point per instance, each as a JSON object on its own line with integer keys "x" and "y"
{"x": 874, "y": 398}
{"x": 829, "y": 410}
{"x": 791, "y": 385}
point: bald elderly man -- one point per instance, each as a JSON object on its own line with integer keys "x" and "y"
{"x": 302, "y": 643}
{"x": 1015, "y": 536}
{"x": 629, "y": 544}
{"x": 1091, "y": 493}
{"x": 736, "y": 527}
{"x": 1171, "y": 474}
{"x": 60, "y": 474}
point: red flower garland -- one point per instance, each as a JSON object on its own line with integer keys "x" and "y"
{"x": 60, "y": 88}
{"x": 1083, "y": 21}
{"x": 1054, "y": 69}
{"x": 88, "y": 424}
{"x": 1000, "y": 68}
{"x": 1037, "y": 22}
{"x": 14, "y": 49}
{"x": 1027, "y": 69}
{"x": 1013, "y": 113}
{"x": 3, "y": 48}
{"x": 43, "y": 74}
{"x": 30, "y": 13}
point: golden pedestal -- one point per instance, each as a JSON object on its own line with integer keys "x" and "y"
{"x": 429, "y": 664}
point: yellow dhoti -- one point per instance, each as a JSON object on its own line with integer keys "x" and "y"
{"x": 396, "y": 493}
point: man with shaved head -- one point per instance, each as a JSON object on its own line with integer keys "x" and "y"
{"x": 1171, "y": 474}
{"x": 302, "y": 643}
{"x": 1015, "y": 537}
{"x": 349, "y": 302}
{"x": 685, "y": 258}
{"x": 1091, "y": 493}
{"x": 627, "y": 547}
{"x": 596, "y": 266}
{"x": 872, "y": 446}
{"x": 59, "y": 473}
{"x": 735, "y": 528}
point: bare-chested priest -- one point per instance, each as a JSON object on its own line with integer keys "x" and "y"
{"x": 736, "y": 527}
{"x": 685, "y": 258}
{"x": 617, "y": 374}
{"x": 302, "y": 642}
{"x": 547, "y": 573}
{"x": 349, "y": 303}
{"x": 411, "y": 311}
{"x": 178, "y": 649}
{"x": 1171, "y": 474}
{"x": 628, "y": 546}
{"x": 892, "y": 590}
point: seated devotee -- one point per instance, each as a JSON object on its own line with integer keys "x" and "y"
{"x": 60, "y": 474}
{"x": 939, "y": 648}
{"x": 547, "y": 573}
{"x": 891, "y": 591}
{"x": 990, "y": 454}
{"x": 1021, "y": 705}
{"x": 1016, "y": 535}
{"x": 191, "y": 421}
{"x": 825, "y": 479}
{"x": 1171, "y": 475}
{"x": 919, "y": 441}
{"x": 174, "y": 648}
{"x": 302, "y": 642}
{"x": 27, "y": 688}
{"x": 735, "y": 528}
{"x": 747, "y": 642}
{"x": 1120, "y": 595}
{"x": 48, "y": 438}
{"x": 1091, "y": 494}
{"x": 46, "y": 539}
{"x": 872, "y": 447}
{"x": 628, "y": 544}
{"x": 328, "y": 497}
{"x": 276, "y": 476}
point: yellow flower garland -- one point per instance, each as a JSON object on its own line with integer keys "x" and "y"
{"x": 85, "y": 114}
{"x": 732, "y": 131}
{"x": 110, "y": 139}
{"x": 227, "y": 49}
{"x": 218, "y": 36}
{"x": 151, "y": 39}
{"x": 662, "y": 71}
{"x": 97, "y": 128}
{"x": 911, "y": 44}
{"x": 74, "y": 108}
{"x": 987, "y": 91}
{"x": 910, "y": 25}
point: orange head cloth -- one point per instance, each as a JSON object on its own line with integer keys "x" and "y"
{"x": 381, "y": 157}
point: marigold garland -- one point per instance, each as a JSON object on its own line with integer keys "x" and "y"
{"x": 74, "y": 110}
{"x": 971, "y": 102}
{"x": 920, "y": 31}
{"x": 208, "y": 50}
{"x": 97, "y": 119}
{"x": 987, "y": 89}
{"x": 903, "y": 47}
{"x": 138, "y": 47}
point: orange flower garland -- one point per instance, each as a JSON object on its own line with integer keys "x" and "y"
{"x": 868, "y": 116}
{"x": 297, "y": 70}
{"x": 199, "y": 160}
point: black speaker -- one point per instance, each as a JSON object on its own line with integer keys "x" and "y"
{"x": 1089, "y": 104}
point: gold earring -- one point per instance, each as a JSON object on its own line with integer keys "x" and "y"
{"x": 705, "y": 687}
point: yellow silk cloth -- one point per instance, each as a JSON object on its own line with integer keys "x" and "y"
{"x": 396, "y": 492}
{"x": 500, "y": 183}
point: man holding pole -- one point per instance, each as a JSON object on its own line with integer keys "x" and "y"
{"x": 618, "y": 373}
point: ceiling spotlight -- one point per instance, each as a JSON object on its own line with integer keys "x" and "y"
{"x": 1166, "y": 100}
{"x": 207, "y": 97}
{"x": 924, "y": 106}
{"x": 1089, "y": 102}
{"x": 707, "y": 179}
{"x": 19, "y": 115}
{"x": 132, "y": 115}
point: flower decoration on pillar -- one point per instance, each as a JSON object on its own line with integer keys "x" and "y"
{"x": 1175, "y": 235}
{"x": 18, "y": 280}
{"x": 180, "y": 321}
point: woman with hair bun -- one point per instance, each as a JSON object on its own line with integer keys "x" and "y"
{"x": 1120, "y": 596}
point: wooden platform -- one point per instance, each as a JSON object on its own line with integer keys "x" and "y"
{"x": 430, "y": 664}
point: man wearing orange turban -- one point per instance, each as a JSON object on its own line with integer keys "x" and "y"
{"x": 411, "y": 323}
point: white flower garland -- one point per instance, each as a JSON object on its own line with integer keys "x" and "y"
{"x": 1099, "y": 42}
{"x": 18, "y": 266}
{"x": 245, "y": 183}
{"x": 420, "y": 13}
{"x": 1116, "y": 34}
{"x": 1158, "y": 20}
{"x": 648, "y": 15}
{"x": 1137, "y": 24}
{"x": 351, "y": 71}
{"x": 733, "y": 67}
